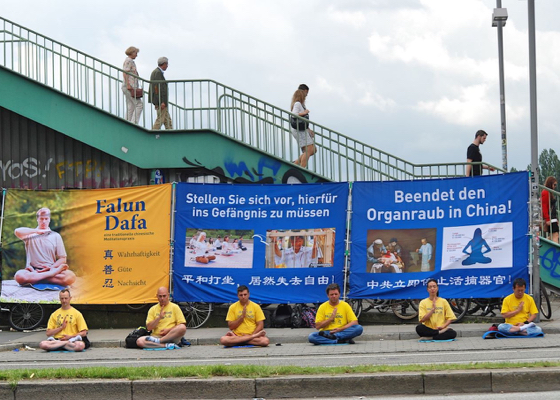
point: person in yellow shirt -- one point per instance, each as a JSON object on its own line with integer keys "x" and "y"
{"x": 435, "y": 316}
{"x": 66, "y": 329}
{"x": 335, "y": 320}
{"x": 246, "y": 322}
{"x": 167, "y": 323}
{"x": 519, "y": 310}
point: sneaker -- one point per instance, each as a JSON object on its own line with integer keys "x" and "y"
{"x": 51, "y": 339}
{"x": 77, "y": 338}
{"x": 184, "y": 343}
{"x": 327, "y": 335}
{"x": 351, "y": 341}
{"x": 171, "y": 346}
{"x": 153, "y": 339}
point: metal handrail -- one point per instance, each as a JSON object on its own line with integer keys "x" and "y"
{"x": 204, "y": 104}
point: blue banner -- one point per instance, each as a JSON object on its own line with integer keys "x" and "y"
{"x": 468, "y": 233}
{"x": 285, "y": 242}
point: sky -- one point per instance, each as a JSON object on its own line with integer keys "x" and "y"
{"x": 415, "y": 78}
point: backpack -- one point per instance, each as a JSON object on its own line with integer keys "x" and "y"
{"x": 282, "y": 316}
{"x": 309, "y": 314}
{"x": 303, "y": 316}
{"x": 130, "y": 341}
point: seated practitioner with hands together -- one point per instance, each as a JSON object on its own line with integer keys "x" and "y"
{"x": 246, "y": 322}
{"x": 335, "y": 320}
{"x": 166, "y": 322}
{"x": 435, "y": 316}
{"x": 66, "y": 329}
{"x": 519, "y": 310}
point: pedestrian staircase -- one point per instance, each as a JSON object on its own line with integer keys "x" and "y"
{"x": 216, "y": 127}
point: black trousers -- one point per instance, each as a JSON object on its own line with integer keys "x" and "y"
{"x": 423, "y": 330}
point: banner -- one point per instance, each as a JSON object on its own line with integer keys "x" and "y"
{"x": 286, "y": 243}
{"x": 108, "y": 246}
{"x": 468, "y": 233}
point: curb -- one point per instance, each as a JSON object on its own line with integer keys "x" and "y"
{"x": 379, "y": 384}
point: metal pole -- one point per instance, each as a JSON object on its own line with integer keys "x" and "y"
{"x": 502, "y": 89}
{"x": 535, "y": 206}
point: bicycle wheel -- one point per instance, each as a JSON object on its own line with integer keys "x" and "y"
{"x": 546, "y": 309}
{"x": 26, "y": 316}
{"x": 196, "y": 314}
{"x": 356, "y": 305}
{"x": 404, "y": 309}
{"x": 460, "y": 307}
{"x": 136, "y": 307}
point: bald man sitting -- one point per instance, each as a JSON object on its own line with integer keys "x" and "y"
{"x": 167, "y": 323}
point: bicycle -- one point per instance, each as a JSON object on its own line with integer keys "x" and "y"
{"x": 403, "y": 309}
{"x": 545, "y": 307}
{"x": 24, "y": 316}
{"x": 196, "y": 313}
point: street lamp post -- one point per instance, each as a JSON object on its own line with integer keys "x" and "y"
{"x": 499, "y": 18}
{"x": 535, "y": 204}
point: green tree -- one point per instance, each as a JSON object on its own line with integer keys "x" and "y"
{"x": 549, "y": 165}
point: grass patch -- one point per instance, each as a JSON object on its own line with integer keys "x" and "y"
{"x": 243, "y": 371}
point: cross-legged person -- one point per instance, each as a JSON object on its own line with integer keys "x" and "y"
{"x": 66, "y": 329}
{"x": 435, "y": 315}
{"x": 167, "y": 323}
{"x": 519, "y": 310}
{"x": 335, "y": 320}
{"x": 245, "y": 322}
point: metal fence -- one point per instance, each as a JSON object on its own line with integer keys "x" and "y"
{"x": 204, "y": 105}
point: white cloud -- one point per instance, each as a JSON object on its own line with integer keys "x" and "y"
{"x": 378, "y": 69}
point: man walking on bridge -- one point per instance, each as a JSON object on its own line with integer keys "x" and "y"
{"x": 159, "y": 95}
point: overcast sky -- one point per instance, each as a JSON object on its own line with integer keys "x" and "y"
{"x": 415, "y": 78}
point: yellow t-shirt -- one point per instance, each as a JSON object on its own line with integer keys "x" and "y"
{"x": 254, "y": 314}
{"x": 344, "y": 315}
{"x": 173, "y": 317}
{"x": 511, "y": 303}
{"x": 442, "y": 313}
{"x": 75, "y": 322}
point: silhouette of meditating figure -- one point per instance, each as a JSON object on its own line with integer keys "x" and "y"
{"x": 477, "y": 243}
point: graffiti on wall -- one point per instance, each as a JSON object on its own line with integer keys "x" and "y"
{"x": 28, "y": 168}
{"x": 33, "y": 173}
{"x": 267, "y": 171}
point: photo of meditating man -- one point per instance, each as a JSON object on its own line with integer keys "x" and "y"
{"x": 45, "y": 255}
{"x": 307, "y": 248}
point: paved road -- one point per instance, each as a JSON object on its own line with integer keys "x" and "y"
{"x": 379, "y": 345}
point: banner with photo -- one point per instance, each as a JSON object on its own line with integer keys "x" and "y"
{"x": 468, "y": 233}
{"x": 285, "y": 242}
{"x": 108, "y": 246}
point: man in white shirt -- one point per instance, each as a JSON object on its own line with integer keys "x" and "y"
{"x": 46, "y": 255}
{"x": 298, "y": 255}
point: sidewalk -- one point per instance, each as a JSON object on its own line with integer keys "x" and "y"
{"x": 210, "y": 336}
{"x": 374, "y": 346}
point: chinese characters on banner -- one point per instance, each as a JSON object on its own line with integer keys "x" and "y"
{"x": 285, "y": 242}
{"x": 469, "y": 234}
{"x": 109, "y": 246}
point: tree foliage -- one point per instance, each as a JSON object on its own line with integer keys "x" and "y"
{"x": 549, "y": 165}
